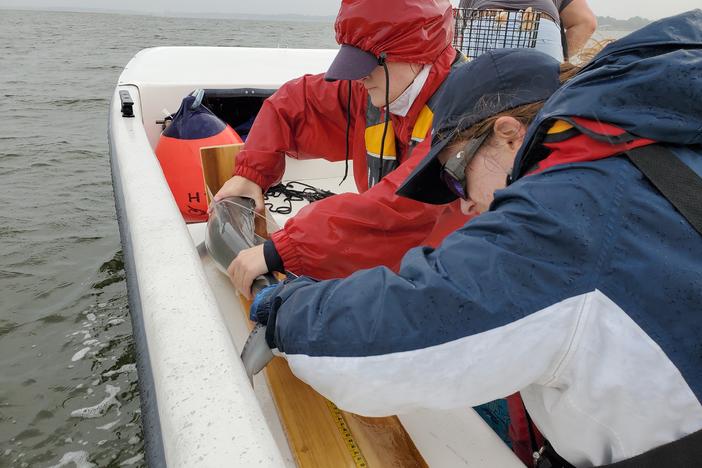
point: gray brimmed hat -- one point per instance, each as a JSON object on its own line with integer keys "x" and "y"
{"x": 351, "y": 63}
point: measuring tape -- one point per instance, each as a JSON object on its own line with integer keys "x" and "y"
{"x": 345, "y": 432}
{"x": 338, "y": 417}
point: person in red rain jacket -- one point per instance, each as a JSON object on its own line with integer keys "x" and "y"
{"x": 349, "y": 114}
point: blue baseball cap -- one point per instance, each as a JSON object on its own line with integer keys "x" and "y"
{"x": 497, "y": 81}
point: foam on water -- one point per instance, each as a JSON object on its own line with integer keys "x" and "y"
{"x": 86, "y": 334}
{"x": 80, "y": 354}
{"x": 108, "y": 426}
{"x": 124, "y": 369}
{"x": 80, "y": 459}
{"x": 133, "y": 460}
{"x": 101, "y": 408}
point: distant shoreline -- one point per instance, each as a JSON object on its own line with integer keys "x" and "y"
{"x": 605, "y": 23}
{"x": 177, "y": 14}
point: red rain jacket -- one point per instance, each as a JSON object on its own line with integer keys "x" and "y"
{"x": 306, "y": 118}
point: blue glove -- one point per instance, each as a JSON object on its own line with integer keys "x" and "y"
{"x": 261, "y": 305}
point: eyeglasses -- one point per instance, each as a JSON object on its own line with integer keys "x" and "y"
{"x": 453, "y": 172}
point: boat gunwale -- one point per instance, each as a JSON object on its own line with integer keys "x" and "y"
{"x": 153, "y": 438}
{"x": 233, "y": 420}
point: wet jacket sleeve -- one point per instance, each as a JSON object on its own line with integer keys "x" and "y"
{"x": 489, "y": 312}
{"x": 305, "y": 118}
{"x": 336, "y": 236}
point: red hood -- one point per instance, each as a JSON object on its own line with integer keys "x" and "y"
{"x": 414, "y": 31}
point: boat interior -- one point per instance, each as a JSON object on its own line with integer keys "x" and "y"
{"x": 190, "y": 325}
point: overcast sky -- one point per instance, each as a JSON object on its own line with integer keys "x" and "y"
{"x": 622, "y": 9}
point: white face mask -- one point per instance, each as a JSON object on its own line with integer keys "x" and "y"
{"x": 404, "y": 101}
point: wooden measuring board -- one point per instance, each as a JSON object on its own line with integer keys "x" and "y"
{"x": 321, "y": 435}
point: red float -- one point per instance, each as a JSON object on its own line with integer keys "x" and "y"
{"x": 193, "y": 127}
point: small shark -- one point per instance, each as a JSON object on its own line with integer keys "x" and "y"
{"x": 231, "y": 228}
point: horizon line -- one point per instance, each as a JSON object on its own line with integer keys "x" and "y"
{"x": 209, "y": 15}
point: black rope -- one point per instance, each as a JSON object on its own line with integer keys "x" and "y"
{"x": 348, "y": 128}
{"x": 382, "y": 61}
{"x": 293, "y": 191}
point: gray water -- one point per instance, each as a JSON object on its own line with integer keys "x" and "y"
{"x": 68, "y": 386}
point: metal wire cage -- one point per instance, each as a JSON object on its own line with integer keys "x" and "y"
{"x": 477, "y": 31}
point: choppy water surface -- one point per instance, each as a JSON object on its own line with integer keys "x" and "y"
{"x": 68, "y": 385}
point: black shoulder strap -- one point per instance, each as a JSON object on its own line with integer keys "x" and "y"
{"x": 682, "y": 453}
{"x": 673, "y": 178}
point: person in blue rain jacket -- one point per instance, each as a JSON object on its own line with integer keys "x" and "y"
{"x": 579, "y": 285}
